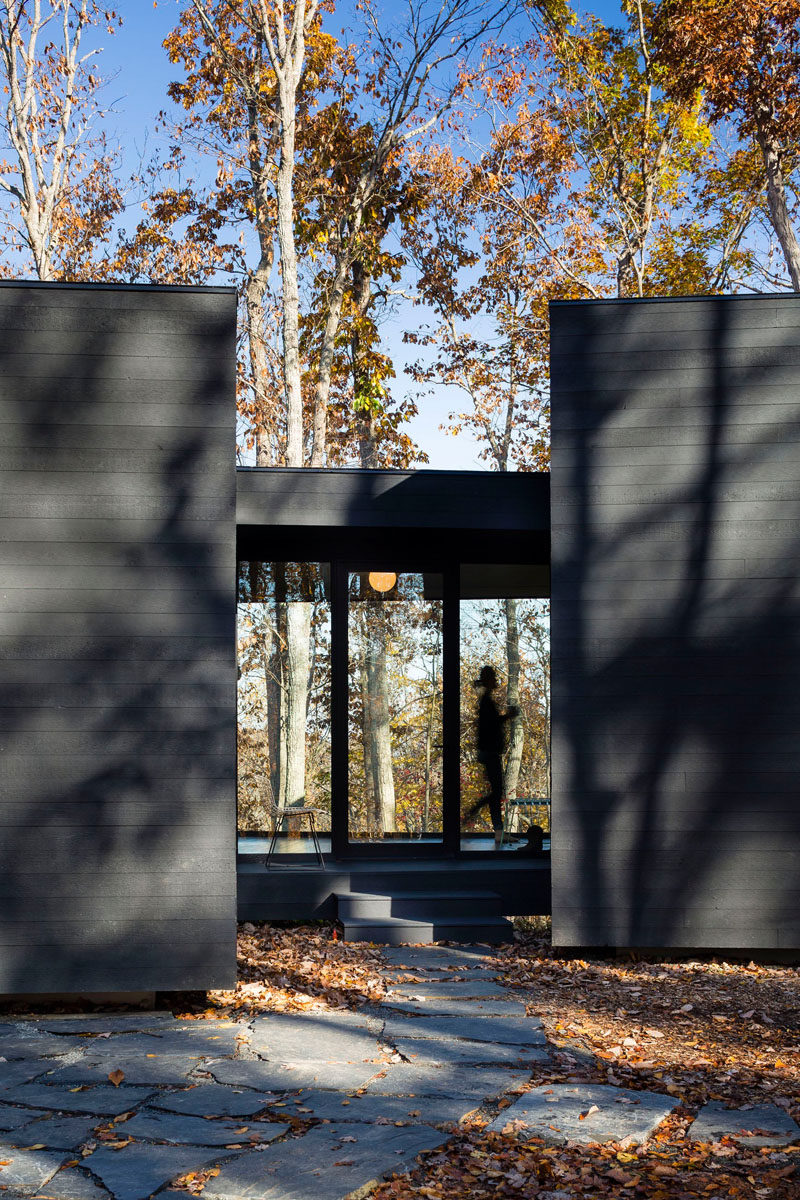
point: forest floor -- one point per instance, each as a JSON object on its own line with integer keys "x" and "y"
{"x": 697, "y": 1030}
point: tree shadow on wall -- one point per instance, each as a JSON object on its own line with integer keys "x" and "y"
{"x": 117, "y": 642}
{"x": 676, "y": 623}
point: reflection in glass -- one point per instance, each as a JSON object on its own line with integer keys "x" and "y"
{"x": 395, "y": 706}
{"x": 284, "y": 629}
{"x": 510, "y": 632}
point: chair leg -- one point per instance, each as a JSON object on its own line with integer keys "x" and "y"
{"x": 317, "y": 846}
{"x": 272, "y": 842}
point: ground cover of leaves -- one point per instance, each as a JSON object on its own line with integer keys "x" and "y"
{"x": 291, "y": 969}
{"x": 698, "y": 1030}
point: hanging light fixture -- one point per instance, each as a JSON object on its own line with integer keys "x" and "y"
{"x": 382, "y": 581}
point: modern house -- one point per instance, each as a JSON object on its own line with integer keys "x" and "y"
{"x": 671, "y": 521}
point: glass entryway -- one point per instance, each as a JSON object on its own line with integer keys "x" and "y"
{"x": 358, "y": 696}
{"x": 395, "y": 711}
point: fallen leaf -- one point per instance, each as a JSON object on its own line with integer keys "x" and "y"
{"x": 116, "y": 1077}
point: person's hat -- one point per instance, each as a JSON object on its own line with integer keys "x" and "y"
{"x": 487, "y": 677}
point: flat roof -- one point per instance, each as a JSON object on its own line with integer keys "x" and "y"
{"x": 343, "y": 498}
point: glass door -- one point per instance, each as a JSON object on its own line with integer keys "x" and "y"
{"x": 395, "y": 735}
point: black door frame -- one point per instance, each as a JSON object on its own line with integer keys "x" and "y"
{"x": 341, "y": 846}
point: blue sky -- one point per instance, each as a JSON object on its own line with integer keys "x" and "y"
{"x": 135, "y": 58}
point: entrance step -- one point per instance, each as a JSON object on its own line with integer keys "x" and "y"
{"x": 423, "y": 916}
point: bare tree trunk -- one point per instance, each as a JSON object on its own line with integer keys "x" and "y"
{"x": 255, "y": 291}
{"x": 46, "y": 117}
{"x": 274, "y": 744}
{"x": 517, "y": 730}
{"x": 322, "y": 388}
{"x": 286, "y": 50}
{"x": 366, "y": 742}
{"x": 429, "y": 739}
{"x": 291, "y": 307}
{"x": 298, "y": 664}
{"x": 380, "y": 734}
{"x": 777, "y": 205}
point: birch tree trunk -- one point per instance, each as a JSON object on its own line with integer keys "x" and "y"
{"x": 366, "y": 742}
{"x": 255, "y": 290}
{"x": 516, "y": 731}
{"x": 367, "y": 443}
{"x": 275, "y": 744}
{"x": 285, "y": 43}
{"x": 51, "y": 91}
{"x": 777, "y": 204}
{"x": 380, "y": 733}
{"x": 298, "y": 665}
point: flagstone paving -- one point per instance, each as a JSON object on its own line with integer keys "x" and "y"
{"x": 760, "y": 1125}
{"x": 585, "y": 1112}
{"x": 302, "y": 1106}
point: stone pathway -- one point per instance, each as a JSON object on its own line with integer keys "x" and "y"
{"x": 307, "y": 1106}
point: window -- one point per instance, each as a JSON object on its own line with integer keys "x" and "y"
{"x": 284, "y": 751}
{"x": 505, "y": 624}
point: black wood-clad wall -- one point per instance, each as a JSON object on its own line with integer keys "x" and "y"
{"x": 676, "y": 622}
{"x": 117, "y": 638}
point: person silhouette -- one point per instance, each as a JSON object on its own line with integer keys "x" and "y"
{"x": 490, "y": 751}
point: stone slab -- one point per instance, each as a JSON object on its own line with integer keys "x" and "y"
{"x": 339, "y": 1018}
{"x": 193, "y": 1041}
{"x": 104, "y": 1101}
{"x": 160, "y": 1069}
{"x": 105, "y": 1022}
{"x": 12, "y": 1074}
{"x": 213, "y": 1100}
{"x": 429, "y": 1050}
{"x": 429, "y": 989}
{"x": 377, "y": 1109}
{"x": 70, "y": 1183}
{"x": 511, "y": 1030}
{"x": 563, "y": 1112}
{"x": 446, "y": 1079}
{"x": 453, "y": 1006}
{"x": 413, "y": 977}
{"x": 136, "y": 1171}
{"x": 13, "y": 1118}
{"x": 34, "y": 1043}
{"x": 322, "y": 1166}
{"x": 303, "y": 1037}
{"x": 761, "y": 1125}
{"x": 288, "y": 1077}
{"x": 426, "y": 957}
{"x": 152, "y": 1125}
{"x": 28, "y": 1169}
{"x": 56, "y": 1133}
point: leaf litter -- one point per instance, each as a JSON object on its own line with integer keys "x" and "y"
{"x": 699, "y": 1029}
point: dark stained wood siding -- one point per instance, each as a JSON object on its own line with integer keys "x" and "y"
{"x": 676, "y": 622}
{"x": 117, "y": 638}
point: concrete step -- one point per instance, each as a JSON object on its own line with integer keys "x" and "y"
{"x": 436, "y": 905}
{"x": 363, "y": 904}
{"x": 396, "y": 931}
{"x": 419, "y": 905}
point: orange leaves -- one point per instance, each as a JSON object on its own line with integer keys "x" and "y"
{"x": 116, "y": 1077}
{"x": 298, "y": 970}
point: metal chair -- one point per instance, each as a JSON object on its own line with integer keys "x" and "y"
{"x": 279, "y": 813}
{"x": 516, "y": 805}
